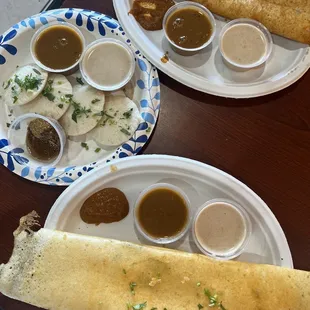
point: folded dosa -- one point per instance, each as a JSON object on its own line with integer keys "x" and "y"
{"x": 58, "y": 270}
{"x": 287, "y": 18}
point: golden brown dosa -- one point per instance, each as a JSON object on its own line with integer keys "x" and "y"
{"x": 287, "y": 18}
{"x": 62, "y": 271}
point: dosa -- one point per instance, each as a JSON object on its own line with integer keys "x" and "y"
{"x": 59, "y": 270}
{"x": 287, "y": 18}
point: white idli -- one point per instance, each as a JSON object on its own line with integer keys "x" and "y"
{"x": 119, "y": 122}
{"x": 54, "y": 100}
{"x": 84, "y": 111}
{"x": 24, "y": 85}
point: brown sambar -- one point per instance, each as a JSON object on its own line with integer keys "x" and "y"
{"x": 189, "y": 28}
{"x": 58, "y": 47}
{"x": 162, "y": 213}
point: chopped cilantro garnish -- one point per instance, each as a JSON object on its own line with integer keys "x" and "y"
{"x": 198, "y": 284}
{"x": 59, "y": 82}
{"x": 125, "y": 131}
{"x": 7, "y": 84}
{"x": 128, "y": 113}
{"x": 154, "y": 308}
{"x": 200, "y": 306}
{"x": 15, "y": 98}
{"x": 29, "y": 83}
{"x": 79, "y": 111}
{"x": 124, "y": 271}
{"x": 137, "y": 306}
{"x": 213, "y": 300}
{"x": 79, "y": 80}
{"x": 60, "y": 106}
{"x": 132, "y": 286}
{"x": 85, "y": 146}
{"x": 47, "y": 91}
{"x": 95, "y": 100}
{"x": 148, "y": 129}
{"x": 36, "y": 71}
{"x": 8, "y": 125}
{"x": 97, "y": 150}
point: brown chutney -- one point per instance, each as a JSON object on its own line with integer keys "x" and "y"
{"x": 162, "y": 213}
{"x": 42, "y": 140}
{"x": 106, "y": 206}
{"x": 189, "y": 28}
{"x": 58, "y": 47}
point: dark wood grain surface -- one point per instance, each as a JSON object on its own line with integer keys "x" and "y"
{"x": 264, "y": 142}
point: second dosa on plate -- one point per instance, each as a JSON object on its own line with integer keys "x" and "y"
{"x": 287, "y": 18}
{"x": 64, "y": 271}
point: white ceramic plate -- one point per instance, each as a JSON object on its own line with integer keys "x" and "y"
{"x": 207, "y": 72}
{"x": 76, "y": 161}
{"x": 199, "y": 181}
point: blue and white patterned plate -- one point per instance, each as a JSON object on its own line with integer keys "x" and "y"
{"x": 15, "y": 51}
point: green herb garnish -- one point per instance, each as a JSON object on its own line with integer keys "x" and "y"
{"x": 15, "y": 98}
{"x": 198, "y": 284}
{"x": 79, "y": 80}
{"x": 200, "y": 306}
{"x": 85, "y": 146}
{"x": 69, "y": 96}
{"x": 132, "y": 286}
{"x": 59, "y": 82}
{"x": 95, "y": 100}
{"x": 213, "y": 301}
{"x": 128, "y": 113}
{"x": 124, "y": 271}
{"x": 8, "y": 125}
{"x": 139, "y": 306}
{"x": 97, "y": 150}
{"x": 36, "y": 71}
{"x": 29, "y": 83}
{"x": 47, "y": 91}
{"x": 79, "y": 111}
{"x": 125, "y": 131}
{"x": 148, "y": 129}
{"x": 153, "y": 308}
{"x": 60, "y": 106}
{"x": 7, "y": 84}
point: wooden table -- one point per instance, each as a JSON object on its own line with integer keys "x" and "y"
{"x": 264, "y": 142}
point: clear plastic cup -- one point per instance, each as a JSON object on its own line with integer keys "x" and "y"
{"x": 17, "y": 138}
{"x": 183, "y": 5}
{"x": 235, "y": 251}
{"x": 164, "y": 240}
{"x": 101, "y": 42}
{"x": 39, "y": 32}
{"x": 263, "y": 30}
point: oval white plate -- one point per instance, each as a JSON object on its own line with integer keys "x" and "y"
{"x": 199, "y": 181}
{"x": 15, "y": 51}
{"x": 207, "y": 72}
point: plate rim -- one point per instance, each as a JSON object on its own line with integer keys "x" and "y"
{"x": 187, "y": 78}
{"x": 12, "y": 158}
{"x": 152, "y": 160}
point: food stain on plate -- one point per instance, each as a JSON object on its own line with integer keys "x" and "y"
{"x": 165, "y": 58}
{"x": 106, "y": 206}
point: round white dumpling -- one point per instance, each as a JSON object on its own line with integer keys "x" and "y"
{"x": 54, "y": 100}
{"x": 120, "y": 120}
{"x": 84, "y": 112}
{"x": 24, "y": 85}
